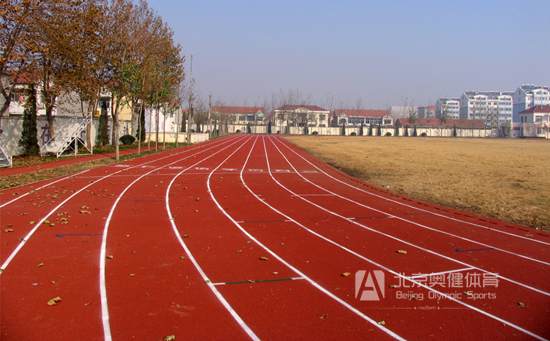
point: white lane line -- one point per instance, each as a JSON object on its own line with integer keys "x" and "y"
{"x": 212, "y": 286}
{"x": 103, "y": 250}
{"x": 46, "y": 185}
{"x": 386, "y": 268}
{"x": 413, "y": 207}
{"x": 315, "y": 284}
{"x": 442, "y": 273}
{"x": 28, "y": 236}
{"x": 259, "y": 281}
{"x": 411, "y": 222}
{"x": 87, "y": 170}
{"x": 404, "y": 241}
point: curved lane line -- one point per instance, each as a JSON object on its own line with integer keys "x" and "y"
{"x": 412, "y": 222}
{"x": 416, "y": 208}
{"x": 401, "y": 240}
{"x": 211, "y": 285}
{"x": 405, "y": 278}
{"x": 103, "y": 255}
{"x": 302, "y": 275}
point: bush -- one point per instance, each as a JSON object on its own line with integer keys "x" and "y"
{"x": 388, "y": 134}
{"x": 353, "y": 134}
{"x": 315, "y": 133}
{"x": 238, "y": 131}
{"x": 423, "y": 134}
{"x": 127, "y": 139}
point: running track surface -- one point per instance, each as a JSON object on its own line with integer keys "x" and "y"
{"x": 248, "y": 237}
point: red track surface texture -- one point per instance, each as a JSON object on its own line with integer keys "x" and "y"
{"x": 247, "y": 237}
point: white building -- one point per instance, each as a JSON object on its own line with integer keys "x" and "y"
{"x": 493, "y": 107}
{"x": 299, "y": 115}
{"x": 449, "y": 106}
{"x": 527, "y": 96}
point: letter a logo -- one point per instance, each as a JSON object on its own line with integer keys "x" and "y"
{"x": 368, "y": 289}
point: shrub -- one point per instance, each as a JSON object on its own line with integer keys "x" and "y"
{"x": 127, "y": 139}
{"x": 314, "y": 133}
{"x": 423, "y": 134}
{"x": 238, "y": 131}
{"x": 388, "y": 134}
{"x": 353, "y": 134}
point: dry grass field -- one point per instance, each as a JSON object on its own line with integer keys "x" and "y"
{"x": 499, "y": 178}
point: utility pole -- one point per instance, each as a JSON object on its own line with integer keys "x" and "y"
{"x": 190, "y": 113}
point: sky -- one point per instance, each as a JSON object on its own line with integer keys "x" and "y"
{"x": 372, "y": 53}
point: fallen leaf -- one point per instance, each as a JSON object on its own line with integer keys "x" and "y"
{"x": 401, "y": 251}
{"x": 109, "y": 257}
{"x": 522, "y": 305}
{"x": 170, "y": 338}
{"x": 198, "y": 199}
{"x": 186, "y": 236}
{"x": 469, "y": 293}
{"x": 239, "y": 251}
{"x": 382, "y": 322}
{"x": 8, "y": 230}
{"x": 182, "y": 257}
{"x": 32, "y": 222}
{"x": 345, "y": 274}
{"x": 39, "y": 265}
{"x": 54, "y": 301}
{"x": 264, "y": 258}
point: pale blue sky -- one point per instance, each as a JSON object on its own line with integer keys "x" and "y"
{"x": 381, "y": 51}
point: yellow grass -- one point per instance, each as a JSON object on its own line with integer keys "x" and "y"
{"x": 507, "y": 179}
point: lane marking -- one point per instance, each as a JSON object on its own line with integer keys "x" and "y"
{"x": 279, "y": 258}
{"x": 386, "y": 268}
{"x": 443, "y": 273}
{"x": 490, "y": 248}
{"x": 262, "y": 221}
{"x": 401, "y": 240}
{"x": 410, "y": 222}
{"x": 103, "y": 251}
{"x": 406, "y": 205}
{"x": 386, "y": 217}
{"x": 78, "y": 234}
{"x": 218, "y": 295}
{"x": 260, "y": 281}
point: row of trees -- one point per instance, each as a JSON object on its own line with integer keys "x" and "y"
{"x": 86, "y": 47}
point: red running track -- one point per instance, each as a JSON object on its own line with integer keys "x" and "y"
{"x": 248, "y": 237}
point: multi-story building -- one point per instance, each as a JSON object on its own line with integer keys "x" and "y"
{"x": 240, "y": 115}
{"x": 493, "y": 107}
{"x": 450, "y": 107}
{"x": 300, "y": 116}
{"x": 426, "y": 112}
{"x": 527, "y": 96}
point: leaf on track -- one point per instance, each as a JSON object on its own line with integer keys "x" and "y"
{"x": 54, "y": 301}
{"x": 170, "y": 338}
{"x": 345, "y": 274}
{"x": 39, "y": 265}
{"x": 522, "y": 305}
{"x": 109, "y": 257}
{"x": 264, "y": 258}
{"x": 382, "y": 323}
{"x": 8, "y": 230}
{"x": 402, "y": 251}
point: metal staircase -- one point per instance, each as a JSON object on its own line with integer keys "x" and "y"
{"x": 5, "y": 156}
{"x": 67, "y": 137}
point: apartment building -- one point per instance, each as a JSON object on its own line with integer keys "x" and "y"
{"x": 527, "y": 96}
{"x": 448, "y": 106}
{"x": 300, "y": 116}
{"x": 492, "y": 107}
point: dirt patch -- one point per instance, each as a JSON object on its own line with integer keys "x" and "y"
{"x": 506, "y": 179}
